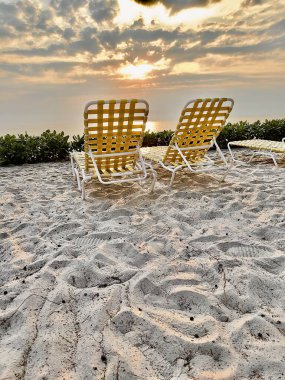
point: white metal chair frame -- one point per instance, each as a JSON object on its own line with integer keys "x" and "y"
{"x": 209, "y": 166}
{"x": 140, "y": 164}
{"x": 260, "y": 152}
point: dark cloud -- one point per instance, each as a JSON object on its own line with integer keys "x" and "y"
{"x": 68, "y": 33}
{"x": 139, "y": 38}
{"x": 8, "y": 10}
{"x": 64, "y": 7}
{"x": 45, "y": 19}
{"x": 88, "y": 42}
{"x": 37, "y": 32}
{"x": 278, "y": 28}
{"x": 100, "y": 10}
{"x": 251, "y": 3}
{"x": 137, "y": 24}
{"x": 52, "y": 49}
{"x": 25, "y": 17}
{"x": 147, "y": 2}
{"x": 178, "y": 5}
{"x": 5, "y": 33}
{"x": 103, "y": 10}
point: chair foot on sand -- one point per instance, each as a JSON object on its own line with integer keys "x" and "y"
{"x": 77, "y": 178}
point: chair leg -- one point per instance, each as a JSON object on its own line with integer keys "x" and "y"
{"x": 267, "y": 154}
{"x": 226, "y": 172}
{"x": 154, "y": 175}
{"x": 274, "y": 159}
{"x": 83, "y": 189}
{"x": 231, "y": 153}
{"x": 78, "y": 178}
{"x": 172, "y": 179}
{"x": 72, "y": 166}
{"x": 153, "y": 172}
{"x": 173, "y": 175}
{"x": 251, "y": 158}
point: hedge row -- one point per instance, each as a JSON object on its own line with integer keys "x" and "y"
{"x": 48, "y": 147}
{"x": 53, "y": 146}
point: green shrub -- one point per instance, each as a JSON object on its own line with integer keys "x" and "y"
{"x": 77, "y": 143}
{"x": 243, "y": 130}
{"x": 157, "y": 138}
{"x": 53, "y": 146}
{"x": 11, "y": 150}
{"x": 49, "y": 146}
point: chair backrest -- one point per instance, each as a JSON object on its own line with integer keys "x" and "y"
{"x": 201, "y": 121}
{"x": 113, "y": 127}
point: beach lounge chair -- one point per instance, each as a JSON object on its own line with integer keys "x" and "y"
{"x": 199, "y": 125}
{"x": 261, "y": 148}
{"x": 113, "y": 134}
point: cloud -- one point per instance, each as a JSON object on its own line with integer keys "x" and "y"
{"x": 64, "y": 7}
{"x": 103, "y": 10}
{"x": 186, "y": 68}
{"x": 251, "y": 3}
{"x": 86, "y": 37}
{"x": 178, "y": 5}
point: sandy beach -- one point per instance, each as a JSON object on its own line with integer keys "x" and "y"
{"x": 186, "y": 284}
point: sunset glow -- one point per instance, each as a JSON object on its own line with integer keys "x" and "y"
{"x": 130, "y": 11}
{"x": 61, "y": 54}
{"x": 136, "y": 72}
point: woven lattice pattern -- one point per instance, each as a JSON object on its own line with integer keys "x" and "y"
{"x": 154, "y": 153}
{"x": 79, "y": 158}
{"x": 115, "y": 126}
{"x": 157, "y": 153}
{"x": 273, "y": 146}
{"x": 200, "y": 122}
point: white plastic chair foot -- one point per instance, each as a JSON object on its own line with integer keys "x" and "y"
{"x": 78, "y": 178}
{"x": 153, "y": 181}
{"x": 172, "y": 180}
{"x": 83, "y": 196}
{"x": 72, "y": 166}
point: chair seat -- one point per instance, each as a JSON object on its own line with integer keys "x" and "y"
{"x": 157, "y": 153}
{"x": 79, "y": 158}
{"x": 154, "y": 153}
{"x": 273, "y": 146}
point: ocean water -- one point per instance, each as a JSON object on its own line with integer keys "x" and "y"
{"x": 74, "y": 129}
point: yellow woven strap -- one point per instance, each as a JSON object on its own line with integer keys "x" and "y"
{"x": 79, "y": 158}
{"x": 200, "y": 122}
{"x": 115, "y": 126}
{"x": 273, "y": 146}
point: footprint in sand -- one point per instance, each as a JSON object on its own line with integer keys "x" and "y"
{"x": 88, "y": 242}
{"x": 93, "y": 240}
{"x": 61, "y": 231}
{"x": 149, "y": 230}
{"x": 242, "y": 250}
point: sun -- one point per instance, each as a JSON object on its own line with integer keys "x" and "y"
{"x": 136, "y": 71}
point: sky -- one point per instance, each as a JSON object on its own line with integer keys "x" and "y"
{"x": 56, "y": 55}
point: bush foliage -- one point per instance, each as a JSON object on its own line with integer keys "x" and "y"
{"x": 49, "y": 146}
{"x": 53, "y": 146}
{"x": 243, "y": 130}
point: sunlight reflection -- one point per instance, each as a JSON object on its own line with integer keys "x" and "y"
{"x": 159, "y": 126}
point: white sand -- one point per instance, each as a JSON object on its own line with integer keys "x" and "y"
{"x": 181, "y": 285}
